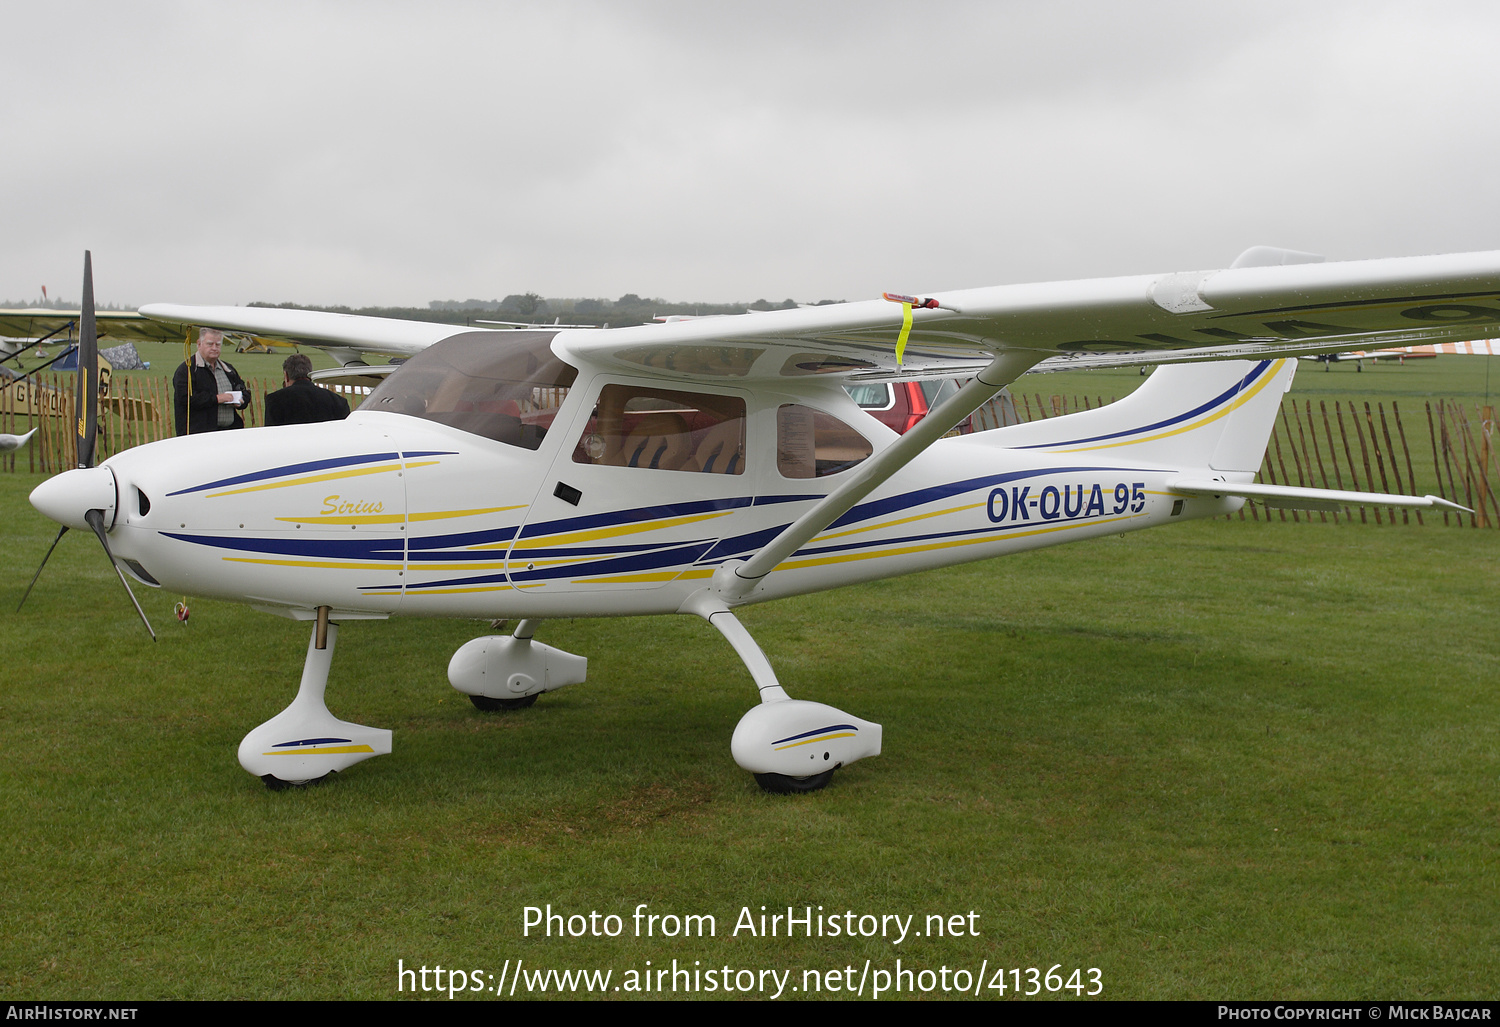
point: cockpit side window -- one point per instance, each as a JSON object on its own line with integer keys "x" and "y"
{"x": 505, "y": 386}
{"x": 812, "y": 444}
{"x": 665, "y": 430}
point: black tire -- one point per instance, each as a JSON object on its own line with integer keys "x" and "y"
{"x": 276, "y": 784}
{"x": 488, "y": 705}
{"x": 781, "y": 784}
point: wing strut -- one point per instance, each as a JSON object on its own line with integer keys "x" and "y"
{"x": 735, "y": 579}
{"x": 37, "y": 342}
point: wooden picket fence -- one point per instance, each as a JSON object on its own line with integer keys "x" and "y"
{"x": 136, "y": 410}
{"x": 1361, "y": 445}
{"x": 1311, "y": 447}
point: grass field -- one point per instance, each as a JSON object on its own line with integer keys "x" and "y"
{"x": 1221, "y": 760}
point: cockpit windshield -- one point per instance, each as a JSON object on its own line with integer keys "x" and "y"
{"x": 504, "y": 386}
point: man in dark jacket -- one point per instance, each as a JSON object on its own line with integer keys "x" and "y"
{"x": 217, "y": 393}
{"x": 302, "y": 402}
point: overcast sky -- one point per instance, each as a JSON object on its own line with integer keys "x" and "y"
{"x": 395, "y": 153}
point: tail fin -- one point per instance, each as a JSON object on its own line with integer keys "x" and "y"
{"x": 1217, "y": 415}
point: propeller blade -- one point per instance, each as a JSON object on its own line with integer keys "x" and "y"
{"x": 87, "y": 404}
{"x": 87, "y": 407}
{"x": 63, "y": 531}
{"x": 96, "y": 521}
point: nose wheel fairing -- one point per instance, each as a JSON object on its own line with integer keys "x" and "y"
{"x": 305, "y": 742}
{"x": 512, "y": 668}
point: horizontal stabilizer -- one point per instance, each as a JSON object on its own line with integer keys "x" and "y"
{"x": 1292, "y": 498}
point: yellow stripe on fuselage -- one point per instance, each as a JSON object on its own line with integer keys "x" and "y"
{"x": 797, "y": 565}
{"x": 902, "y": 520}
{"x": 522, "y": 564}
{"x": 802, "y": 564}
{"x": 628, "y": 579}
{"x": 438, "y": 515}
{"x": 417, "y": 591}
{"x": 310, "y": 479}
{"x": 396, "y": 518}
{"x": 372, "y": 565}
{"x": 484, "y": 565}
{"x": 333, "y": 565}
{"x": 571, "y": 538}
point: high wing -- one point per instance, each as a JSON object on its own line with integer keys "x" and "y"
{"x": 1237, "y": 313}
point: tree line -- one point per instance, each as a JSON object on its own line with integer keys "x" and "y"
{"x": 629, "y": 309}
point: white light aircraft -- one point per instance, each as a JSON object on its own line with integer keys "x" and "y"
{"x": 696, "y": 466}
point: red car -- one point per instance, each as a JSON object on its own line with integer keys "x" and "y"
{"x": 900, "y": 405}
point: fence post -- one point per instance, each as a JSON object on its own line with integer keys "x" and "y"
{"x": 1486, "y": 426}
{"x": 1338, "y": 413}
{"x": 1276, "y": 443}
{"x": 1461, "y": 430}
{"x": 1364, "y": 455}
{"x": 1312, "y": 430}
{"x": 1385, "y": 431}
{"x": 1411, "y": 475}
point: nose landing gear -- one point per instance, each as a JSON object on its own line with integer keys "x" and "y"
{"x": 305, "y": 743}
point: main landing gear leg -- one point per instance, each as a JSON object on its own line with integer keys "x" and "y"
{"x": 788, "y": 744}
{"x": 304, "y": 742}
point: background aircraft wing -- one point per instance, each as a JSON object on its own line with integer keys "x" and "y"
{"x": 346, "y": 336}
{"x": 1237, "y": 313}
{"x": 1474, "y": 348}
{"x": 124, "y": 325}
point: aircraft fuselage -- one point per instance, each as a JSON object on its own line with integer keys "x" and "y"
{"x": 386, "y": 514}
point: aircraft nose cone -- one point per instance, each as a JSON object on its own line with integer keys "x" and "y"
{"x": 68, "y": 496}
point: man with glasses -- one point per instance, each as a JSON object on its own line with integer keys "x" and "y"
{"x": 208, "y": 392}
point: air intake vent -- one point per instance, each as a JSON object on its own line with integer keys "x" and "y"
{"x": 139, "y": 573}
